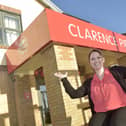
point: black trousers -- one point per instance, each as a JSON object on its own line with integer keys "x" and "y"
{"x": 115, "y": 117}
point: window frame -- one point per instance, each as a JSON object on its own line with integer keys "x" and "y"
{"x": 3, "y": 28}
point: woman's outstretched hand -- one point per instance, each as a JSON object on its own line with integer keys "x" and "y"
{"x": 60, "y": 75}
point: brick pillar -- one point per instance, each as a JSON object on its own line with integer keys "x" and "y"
{"x": 64, "y": 110}
{"x": 7, "y": 99}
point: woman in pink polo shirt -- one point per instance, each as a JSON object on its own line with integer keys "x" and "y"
{"x": 106, "y": 91}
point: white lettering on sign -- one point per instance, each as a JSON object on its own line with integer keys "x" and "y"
{"x": 79, "y": 32}
{"x": 122, "y": 42}
{"x": 70, "y": 27}
{"x": 87, "y": 34}
{"x": 75, "y": 31}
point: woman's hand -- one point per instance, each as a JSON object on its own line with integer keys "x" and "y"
{"x": 60, "y": 75}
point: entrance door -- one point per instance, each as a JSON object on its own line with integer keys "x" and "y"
{"x": 40, "y": 84}
{"x": 45, "y": 107}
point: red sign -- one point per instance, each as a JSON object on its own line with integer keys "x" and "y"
{"x": 27, "y": 95}
{"x": 70, "y": 30}
{"x": 121, "y": 42}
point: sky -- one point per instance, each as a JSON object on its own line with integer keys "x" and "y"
{"x": 108, "y": 14}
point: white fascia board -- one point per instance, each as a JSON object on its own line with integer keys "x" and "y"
{"x": 52, "y": 5}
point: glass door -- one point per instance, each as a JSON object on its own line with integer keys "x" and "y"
{"x": 41, "y": 86}
{"x": 45, "y": 107}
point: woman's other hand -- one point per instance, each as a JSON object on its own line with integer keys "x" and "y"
{"x": 60, "y": 75}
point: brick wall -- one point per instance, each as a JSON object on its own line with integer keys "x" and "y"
{"x": 64, "y": 110}
{"x": 28, "y": 111}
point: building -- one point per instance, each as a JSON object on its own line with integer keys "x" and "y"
{"x": 48, "y": 42}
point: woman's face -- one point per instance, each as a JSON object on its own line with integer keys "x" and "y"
{"x": 96, "y": 61}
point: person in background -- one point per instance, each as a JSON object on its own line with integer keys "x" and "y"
{"x": 106, "y": 91}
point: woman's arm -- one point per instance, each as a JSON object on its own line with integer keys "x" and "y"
{"x": 121, "y": 70}
{"x": 75, "y": 93}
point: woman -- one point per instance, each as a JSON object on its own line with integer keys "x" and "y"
{"x": 106, "y": 91}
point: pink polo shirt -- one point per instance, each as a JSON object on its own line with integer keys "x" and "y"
{"x": 107, "y": 94}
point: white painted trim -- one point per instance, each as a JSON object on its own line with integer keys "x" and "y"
{"x": 52, "y": 5}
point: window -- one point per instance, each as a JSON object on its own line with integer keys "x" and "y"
{"x": 10, "y": 28}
